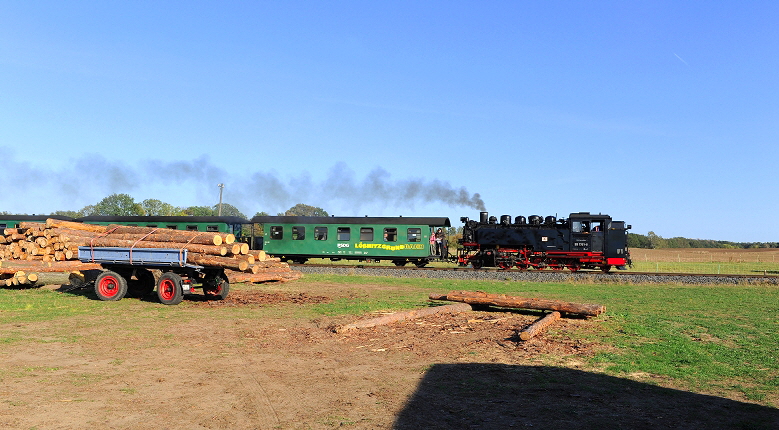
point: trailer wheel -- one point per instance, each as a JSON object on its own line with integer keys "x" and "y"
{"x": 110, "y": 286}
{"x": 169, "y": 289}
{"x": 144, "y": 283}
{"x": 218, "y": 288}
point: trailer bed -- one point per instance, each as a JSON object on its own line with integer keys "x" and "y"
{"x": 162, "y": 257}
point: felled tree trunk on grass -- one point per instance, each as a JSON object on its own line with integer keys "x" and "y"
{"x": 501, "y": 300}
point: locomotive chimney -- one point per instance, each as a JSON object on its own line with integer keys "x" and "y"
{"x": 483, "y": 217}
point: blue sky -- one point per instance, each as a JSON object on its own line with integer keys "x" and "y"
{"x": 661, "y": 114}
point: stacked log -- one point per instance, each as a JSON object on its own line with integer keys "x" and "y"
{"x": 15, "y": 277}
{"x": 58, "y": 241}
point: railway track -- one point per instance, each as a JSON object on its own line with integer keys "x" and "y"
{"x": 535, "y": 275}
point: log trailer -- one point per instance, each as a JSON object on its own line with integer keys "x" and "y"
{"x": 131, "y": 269}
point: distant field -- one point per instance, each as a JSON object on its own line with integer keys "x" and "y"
{"x": 706, "y": 260}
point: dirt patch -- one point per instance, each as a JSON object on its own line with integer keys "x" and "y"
{"x": 215, "y": 365}
{"x": 243, "y": 298}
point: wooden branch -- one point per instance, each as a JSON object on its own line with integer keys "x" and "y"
{"x": 501, "y": 300}
{"x": 540, "y": 325}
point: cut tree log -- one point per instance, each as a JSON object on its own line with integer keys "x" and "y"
{"x": 266, "y": 276}
{"x": 54, "y": 223}
{"x": 163, "y": 235}
{"x": 201, "y": 249}
{"x": 226, "y": 238}
{"x": 540, "y": 325}
{"x": 501, "y": 300}
{"x": 401, "y": 316}
{"x": 217, "y": 261}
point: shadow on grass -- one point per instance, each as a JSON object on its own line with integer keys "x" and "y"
{"x": 498, "y": 396}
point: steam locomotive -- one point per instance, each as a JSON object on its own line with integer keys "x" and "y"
{"x": 582, "y": 241}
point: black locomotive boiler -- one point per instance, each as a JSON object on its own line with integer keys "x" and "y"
{"x": 583, "y": 241}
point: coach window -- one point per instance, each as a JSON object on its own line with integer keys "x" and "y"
{"x": 276, "y": 232}
{"x": 3, "y": 225}
{"x": 344, "y": 233}
{"x": 212, "y": 228}
{"x": 191, "y": 228}
{"x": 414, "y": 234}
{"x": 298, "y": 232}
{"x": 172, "y": 227}
{"x": 390, "y": 235}
{"x": 366, "y": 234}
{"x": 320, "y": 233}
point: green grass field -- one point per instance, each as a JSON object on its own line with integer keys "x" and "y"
{"x": 718, "y": 340}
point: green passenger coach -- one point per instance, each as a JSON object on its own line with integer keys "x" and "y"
{"x": 216, "y": 224}
{"x": 401, "y": 240}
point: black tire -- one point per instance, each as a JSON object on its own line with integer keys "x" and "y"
{"x": 143, "y": 284}
{"x": 110, "y": 286}
{"x": 218, "y": 288}
{"x": 169, "y": 289}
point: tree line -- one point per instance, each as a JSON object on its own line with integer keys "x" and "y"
{"x": 125, "y": 205}
{"x": 653, "y": 241}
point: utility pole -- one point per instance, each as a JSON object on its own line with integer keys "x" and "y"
{"x": 221, "y": 188}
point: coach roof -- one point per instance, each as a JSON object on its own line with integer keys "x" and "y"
{"x": 429, "y": 221}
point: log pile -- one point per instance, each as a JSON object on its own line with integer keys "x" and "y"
{"x": 56, "y": 242}
{"x": 476, "y": 298}
{"x": 13, "y": 277}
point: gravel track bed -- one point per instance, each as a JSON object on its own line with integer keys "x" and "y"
{"x": 544, "y": 276}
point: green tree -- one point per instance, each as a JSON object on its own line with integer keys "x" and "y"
{"x": 228, "y": 210}
{"x": 72, "y": 214}
{"x": 301, "y": 209}
{"x": 117, "y": 205}
{"x": 154, "y": 207}
{"x": 199, "y": 211}
{"x": 638, "y": 241}
{"x": 655, "y": 241}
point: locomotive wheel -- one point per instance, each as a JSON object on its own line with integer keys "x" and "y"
{"x": 477, "y": 264}
{"x": 522, "y": 266}
{"x": 574, "y": 267}
{"x": 169, "y": 289}
{"x": 110, "y": 286}
{"x": 605, "y": 268}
